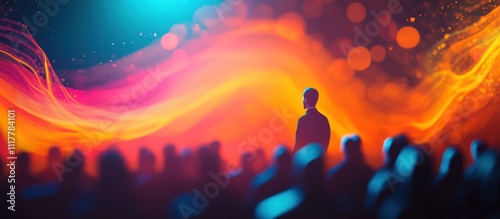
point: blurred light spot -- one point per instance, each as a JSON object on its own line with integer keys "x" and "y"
{"x": 408, "y": 37}
{"x": 359, "y": 58}
{"x": 207, "y": 15}
{"x": 356, "y": 12}
{"x": 340, "y": 70}
{"x": 236, "y": 16}
{"x": 378, "y": 53}
{"x": 180, "y": 30}
{"x": 169, "y": 41}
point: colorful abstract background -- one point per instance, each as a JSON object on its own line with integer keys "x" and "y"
{"x": 90, "y": 74}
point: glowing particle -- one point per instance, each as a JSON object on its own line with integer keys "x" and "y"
{"x": 412, "y": 19}
{"x": 408, "y": 37}
{"x": 359, "y": 58}
{"x": 378, "y": 53}
{"x": 169, "y": 41}
{"x": 356, "y": 12}
{"x": 180, "y": 30}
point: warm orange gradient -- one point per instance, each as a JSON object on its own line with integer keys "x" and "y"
{"x": 234, "y": 83}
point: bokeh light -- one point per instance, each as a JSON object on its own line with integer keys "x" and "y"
{"x": 356, "y": 12}
{"x": 408, "y": 37}
{"x": 359, "y": 58}
{"x": 180, "y": 30}
{"x": 378, "y": 53}
{"x": 169, "y": 41}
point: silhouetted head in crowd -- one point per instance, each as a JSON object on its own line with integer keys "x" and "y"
{"x": 147, "y": 161}
{"x": 215, "y": 146}
{"x": 351, "y": 147}
{"x": 113, "y": 174}
{"x": 489, "y": 178}
{"x": 54, "y": 154}
{"x": 477, "y": 147}
{"x": 246, "y": 160}
{"x": 24, "y": 161}
{"x": 310, "y": 97}
{"x": 415, "y": 166}
{"x": 282, "y": 158}
{"x": 307, "y": 167}
{"x": 392, "y": 148}
{"x": 209, "y": 161}
{"x": 76, "y": 161}
{"x": 170, "y": 159}
{"x": 452, "y": 163}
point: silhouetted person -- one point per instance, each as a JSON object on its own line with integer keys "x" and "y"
{"x": 147, "y": 161}
{"x": 241, "y": 177}
{"x": 190, "y": 169}
{"x": 259, "y": 162}
{"x": 482, "y": 195}
{"x": 148, "y": 185}
{"x": 382, "y": 183}
{"x": 306, "y": 198}
{"x": 477, "y": 147}
{"x": 392, "y": 148}
{"x": 76, "y": 187}
{"x": 447, "y": 183}
{"x": 313, "y": 127}
{"x": 115, "y": 196}
{"x": 24, "y": 176}
{"x": 49, "y": 174}
{"x": 489, "y": 181}
{"x": 273, "y": 180}
{"x": 347, "y": 181}
{"x": 411, "y": 197}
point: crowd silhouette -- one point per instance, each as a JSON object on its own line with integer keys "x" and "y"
{"x": 195, "y": 184}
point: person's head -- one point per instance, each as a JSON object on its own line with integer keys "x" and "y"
{"x": 282, "y": 157}
{"x": 477, "y": 147}
{"x": 351, "y": 146}
{"x": 452, "y": 162}
{"x": 310, "y": 97}
{"x": 147, "y": 160}
{"x": 215, "y": 146}
{"x": 54, "y": 154}
{"x": 392, "y": 148}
